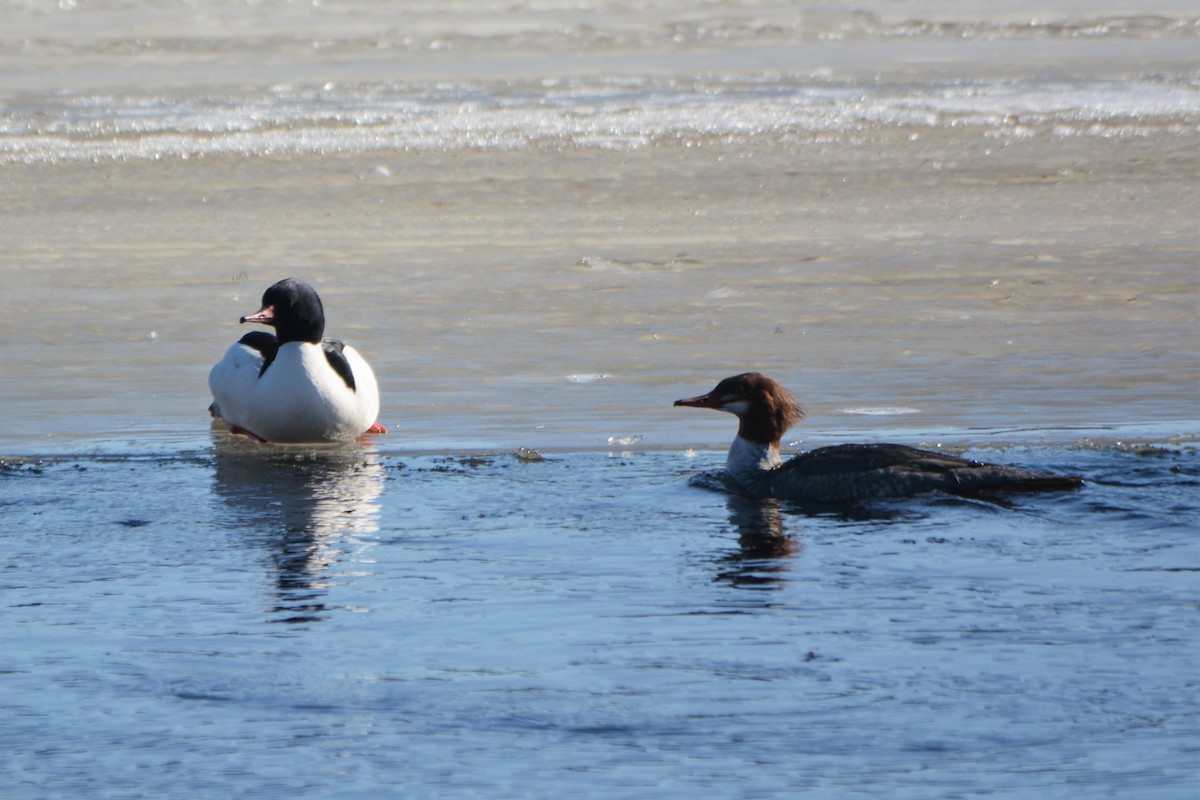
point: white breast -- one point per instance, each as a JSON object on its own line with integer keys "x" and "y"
{"x": 748, "y": 461}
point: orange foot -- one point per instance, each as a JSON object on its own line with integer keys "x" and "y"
{"x": 244, "y": 432}
{"x": 376, "y": 428}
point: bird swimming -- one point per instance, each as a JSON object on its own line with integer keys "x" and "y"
{"x": 294, "y": 386}
{"x": 848, "y": 472}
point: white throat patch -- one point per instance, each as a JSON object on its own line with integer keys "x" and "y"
{"x": 736, "y": 407}
{"x": 750, "y": 458}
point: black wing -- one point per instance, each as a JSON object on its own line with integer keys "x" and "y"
{"x": 859, "y": 458}
{"x": 859, "y": 471}
{"x": 336, "y": 356}
{"x": 265, "y": 343}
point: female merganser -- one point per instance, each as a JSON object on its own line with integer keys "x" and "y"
{"x": 848, "y": 472}
{"x": 294, "y": 386}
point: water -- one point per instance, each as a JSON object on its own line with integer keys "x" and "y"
{"x": 968, "y": 225}
{"x": 356, "y": 623}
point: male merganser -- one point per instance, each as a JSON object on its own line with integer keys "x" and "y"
{"x": 294, "y": 386}
{"x": 847, "y": 472}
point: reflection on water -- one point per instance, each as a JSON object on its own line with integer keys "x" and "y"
{"x": 307, "y": 507}
{"x": 541, "y": 623}
{"x": 762, "y": 558}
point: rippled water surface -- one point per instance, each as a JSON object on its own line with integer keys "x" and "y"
{"x": 968, "y": 225}
{"x": 352, "y": 623}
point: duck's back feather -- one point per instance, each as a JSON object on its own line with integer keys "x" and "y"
{"x": 860, "y": 471}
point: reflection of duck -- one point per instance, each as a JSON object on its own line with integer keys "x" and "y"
{"x": 848, "y": 472}
{"x": 761, "y": 539}
{"x": 294, "y": 386}
{"x": 305, "y": 508}
{"x": 763, "y": 544}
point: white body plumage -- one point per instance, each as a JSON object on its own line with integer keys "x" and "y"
{"x": 299, "y": 398}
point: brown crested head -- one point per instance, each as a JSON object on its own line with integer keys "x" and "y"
{"x": 763, "y": 407}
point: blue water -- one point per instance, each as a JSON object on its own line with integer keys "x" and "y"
{"x": 231, "y": 621}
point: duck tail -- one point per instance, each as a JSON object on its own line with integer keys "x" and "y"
{"x": 1011, "y": 479}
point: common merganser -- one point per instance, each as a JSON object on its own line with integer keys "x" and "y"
{"x": 848, "y": 472}
{"x": 294, "y": 386}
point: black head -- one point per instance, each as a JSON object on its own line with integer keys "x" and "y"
{"x": 293, "y": 308}
{"x": 764, "y": 408}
